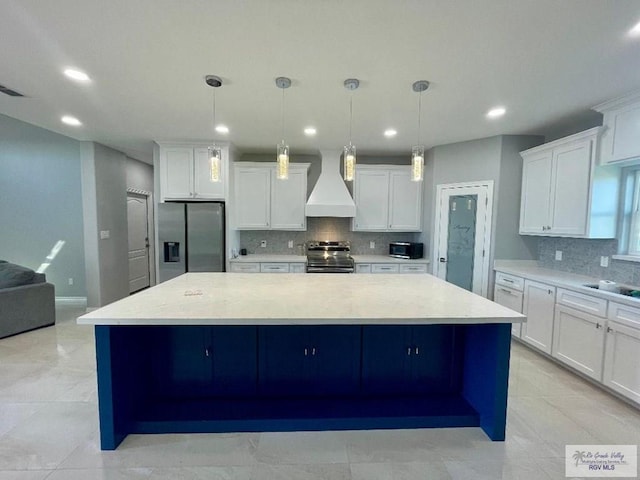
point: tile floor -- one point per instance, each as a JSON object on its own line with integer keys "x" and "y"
{"x": 49, "y": 429}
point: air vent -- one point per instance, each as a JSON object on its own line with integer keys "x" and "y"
{"x": 8, "y": 91}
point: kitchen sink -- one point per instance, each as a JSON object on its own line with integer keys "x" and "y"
{"x": 627, "y": 292}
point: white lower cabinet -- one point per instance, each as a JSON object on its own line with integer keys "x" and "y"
{"x": 391, "y": 268}
{"x": 385, "y": 268}
{"x": 508, "y": 292}
{"x": 538, "y": 306}
{"x": 510, "y": 298}
{"x": 578, "y": 340}
{"x": 268, "y": 267}
{"x": 622, "y": 353}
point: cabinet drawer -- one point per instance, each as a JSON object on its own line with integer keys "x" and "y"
{"x": 624, "y": 314}
{"x": 274, "y": 268}
{"x": 419, "y": 268}
{"x": 517, "y": 283}
{"x": 297, "y": 268}
{"x": 584, "y": 303}
{"x": 384, "y": 268}
{"x": 508, "y": 297}
{"x": 363, "y": 268}
{"x": 245, "y": 267}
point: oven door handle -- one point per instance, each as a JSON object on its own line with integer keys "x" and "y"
{"x": 329, "y": 270}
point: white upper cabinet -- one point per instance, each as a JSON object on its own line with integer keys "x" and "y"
{"x": 564, "y": 193}
{"x": 185, "y": 173}
{"x": 262, "y": 202}
{"x": 620, "y": 139}
{"x": 253, "y": 198}
{"x": 386, "y": 199}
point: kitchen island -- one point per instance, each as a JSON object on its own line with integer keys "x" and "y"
{"x": 223, "y": 352}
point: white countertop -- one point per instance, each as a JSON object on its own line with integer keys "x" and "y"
{"x": 571, "y": 281}
{"x": 269, "y": 258}
{"x": 386, "y": 259}
{"x": 293, "y": 299}
{"x": 264, "y": 258}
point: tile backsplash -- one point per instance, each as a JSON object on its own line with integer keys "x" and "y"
{"x": 583, "y": 257}
{"x": 321, "y": 228}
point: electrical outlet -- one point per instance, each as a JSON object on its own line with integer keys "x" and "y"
{"x": 70, "y": 281}
{"x": 290, "y": 244}
{"x": 372, "y": 244}
{"x": 559, "y": 255}
{"x": 104, "y": 234}
{"x": 263, "y": 243}
{"x": 604, "y": 261}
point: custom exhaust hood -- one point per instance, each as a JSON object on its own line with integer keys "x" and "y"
{"x": 330, "y": 197}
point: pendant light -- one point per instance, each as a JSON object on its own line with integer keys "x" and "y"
{"x": 350, "y": 150}
{"x": 215, "y": 152}
{"x": 417, "y": 151}
{"x": 282, "y": 170}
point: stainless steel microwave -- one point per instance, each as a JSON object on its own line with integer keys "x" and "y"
{"x": 406, "y": 250}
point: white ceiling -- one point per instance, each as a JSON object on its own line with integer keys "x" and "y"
{"x": 546, "y": 61}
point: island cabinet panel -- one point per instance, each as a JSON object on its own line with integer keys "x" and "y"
{"x": 194, "y": 361}
{"x": 309, "y": 360}
{"x": 411, "y": 360}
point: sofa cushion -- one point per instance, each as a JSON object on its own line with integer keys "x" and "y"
{"x": 12, "y": 275}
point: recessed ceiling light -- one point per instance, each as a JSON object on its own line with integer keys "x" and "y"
{"x": 222, "y": 129}
{"x": 635, "y": 31}
{"x": 310, "y": 131}
{"x": 496, "y": 112}
{"x": 77, "y": 75}
{"x": 69, "y": 120}
{"x": 390, "y": 132}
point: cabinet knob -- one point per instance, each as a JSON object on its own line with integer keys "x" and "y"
{"x": 409, "y": 351}
{"x": 206, "y": 352}
{"x": 598, "y": 325}
{"x": 549, "y": 292}
{"x": 313, "y": 351}
{"x": 609, "y": 330}
{"x": 417, "y": 350}
{"x": 306, "y": 351}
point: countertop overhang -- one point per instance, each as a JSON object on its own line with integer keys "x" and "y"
{"x": 294, "y": 299}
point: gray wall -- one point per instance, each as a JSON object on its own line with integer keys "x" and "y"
{"x": 139, "y": 175}
{"x": 41, "y": 203}
{"x": 105, "y": 208}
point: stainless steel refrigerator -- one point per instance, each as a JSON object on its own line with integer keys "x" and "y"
{"x": 191, "y": 238}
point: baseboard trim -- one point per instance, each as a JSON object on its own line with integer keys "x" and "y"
{"x": 71, "y": 301}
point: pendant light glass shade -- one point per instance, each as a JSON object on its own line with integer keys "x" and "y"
{"x": 349, "y": 162}
{"x": 282, "y": 168}
{"x": 417, "y": 163}
{"x": 215, "y": 159}
{"x": 282, "y": 150}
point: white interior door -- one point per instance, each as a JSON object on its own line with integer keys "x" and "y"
{"x": 137, "y": 217}
{"x": 462, "y": 235}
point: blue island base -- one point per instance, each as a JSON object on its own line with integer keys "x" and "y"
{"x": 193, "y": 379}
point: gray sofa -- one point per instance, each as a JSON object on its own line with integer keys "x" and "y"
{"x": 27, "y": 301}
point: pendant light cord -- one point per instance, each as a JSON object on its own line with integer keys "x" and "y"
{"x": 283, "y": 115}
{"x": 419, "y": 116}
{"x": 214, "y": 116}
{"x": 350, "y": 116}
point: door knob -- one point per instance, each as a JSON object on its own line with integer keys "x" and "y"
{"x": 443, "y": 260}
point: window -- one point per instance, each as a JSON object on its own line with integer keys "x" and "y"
{"x": 630, "y": 221}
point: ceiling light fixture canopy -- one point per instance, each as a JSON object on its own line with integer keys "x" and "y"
{"x": 350, "y": 150}
{"x": 282, "y": 151}
{"x": 215, "y": 152}
{"x": 417, "y": 151}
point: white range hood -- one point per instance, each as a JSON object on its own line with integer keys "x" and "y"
{"x": 330, "y": 197}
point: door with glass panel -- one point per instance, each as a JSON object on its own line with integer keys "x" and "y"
{"x": 462, "y": 237}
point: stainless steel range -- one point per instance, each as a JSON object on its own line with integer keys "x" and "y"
{"x": 329, "y": 257}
